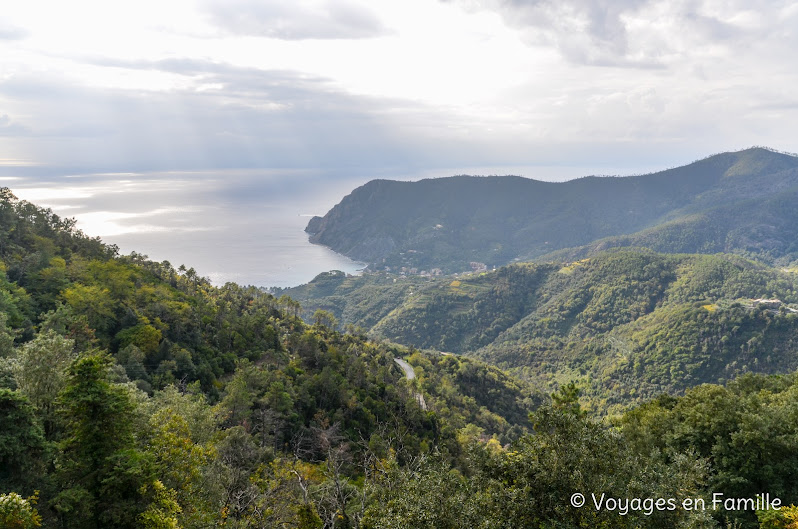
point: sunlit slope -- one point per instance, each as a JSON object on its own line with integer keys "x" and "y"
{"x": 628, "y": 324}
{"x": 165, "y": 326}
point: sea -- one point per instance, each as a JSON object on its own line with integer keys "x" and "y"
{"x": 244, "y": 226}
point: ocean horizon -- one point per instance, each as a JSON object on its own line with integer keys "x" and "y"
{"x": 233, "y": 225}
{"x": 245, "y": 227}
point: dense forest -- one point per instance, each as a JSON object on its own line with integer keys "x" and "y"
{"x": 134, "y": 394}
{"x": 627, "y": 324}
{"x": 739, "y": 202}
{"x": 135, "y": 391}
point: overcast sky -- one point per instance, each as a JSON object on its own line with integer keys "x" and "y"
{"x": 155, "y": 123}
{"x": 392, "y": 87}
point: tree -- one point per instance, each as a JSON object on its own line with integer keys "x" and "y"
{"x": 6, "y": 337}
{"x": 71, "y": 324}
{"x": 144, "y": 336}
{"x": 40, "y": 373}
{"x": 101, "y": 472}
{"x": 783, "y": 518}
{"x": 21, "y": 441}
{"x": 433, "y": 496}
{"x": 17, "y": 512}
{"x": 180, "y": 463}
{"x": 163, "y": 510}
{"x": 93, "y": 301}
{"x": 567, "y": 399}
{"x": 324, "y": 318}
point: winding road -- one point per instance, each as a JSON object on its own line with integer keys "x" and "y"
{"x": 410, "y": 374}
{"x": 407, "y": 368}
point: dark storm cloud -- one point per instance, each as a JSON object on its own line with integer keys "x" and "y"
{"x": 293, "y": 21}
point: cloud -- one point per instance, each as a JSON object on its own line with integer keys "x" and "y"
{"x": 584, "y": 31}
{"x": 638, "y": 33}
{"x": 230, "y": 117}
{"x": 9, "y": 31}
{"x": 276, "y": 19}
{"x": 10, "y": 128}
{"x": 677, "y": 80}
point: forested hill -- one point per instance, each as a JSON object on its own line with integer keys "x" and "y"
{"x": 627, "y": 324}
{"x": 134, "y": 394}
{"x": 137, "y": 395}
{"x": 735, "y": 202}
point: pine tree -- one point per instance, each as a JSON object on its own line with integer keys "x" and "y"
{"x": 101, "y": 471}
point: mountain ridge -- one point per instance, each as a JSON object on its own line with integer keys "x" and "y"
{"x": 448, "y": 223}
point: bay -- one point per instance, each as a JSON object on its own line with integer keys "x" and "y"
{"x": 243, "y": 226}
{"x": 234, "y": 225}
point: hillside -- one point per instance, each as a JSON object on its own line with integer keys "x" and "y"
{"x": 762, "y": 229}
{"x": 732, "y": 202}
{"x": 137, "y": 395}
{"x": 128, "y": 387}
{"x": 627, "y": 324}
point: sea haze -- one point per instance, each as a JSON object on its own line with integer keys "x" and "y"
{"x": 240, "y": 226}
{"x": 245, "y": 226}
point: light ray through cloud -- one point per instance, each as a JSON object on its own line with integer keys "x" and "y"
{"x": 181, "y": 97}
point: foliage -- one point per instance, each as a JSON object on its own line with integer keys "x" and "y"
{"x": 100, "y": 468}
{"x": 529, "y": 483}
{"x": 40, "y": 372}
{"x": 163, "y": 511}
{"x": 21, "y": 442}
{"x": 627, "y": 325}
{"x": 17, "y": 512}
{"x": 145, "y": 397}
{"x": 746, "y": 431}
{"x": 783, "y": 518}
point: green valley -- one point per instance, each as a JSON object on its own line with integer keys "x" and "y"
{"x": 627, "y": 324}
{"x": 136, "y": 394}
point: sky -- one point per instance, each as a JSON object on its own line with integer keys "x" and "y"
{"x": 232, "y": 102}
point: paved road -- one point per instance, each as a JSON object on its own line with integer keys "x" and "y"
{"x": 407, "y": 368}
{"x": 410, "y": 373}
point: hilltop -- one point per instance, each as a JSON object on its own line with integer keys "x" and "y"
{"x": 738, "y": 202}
